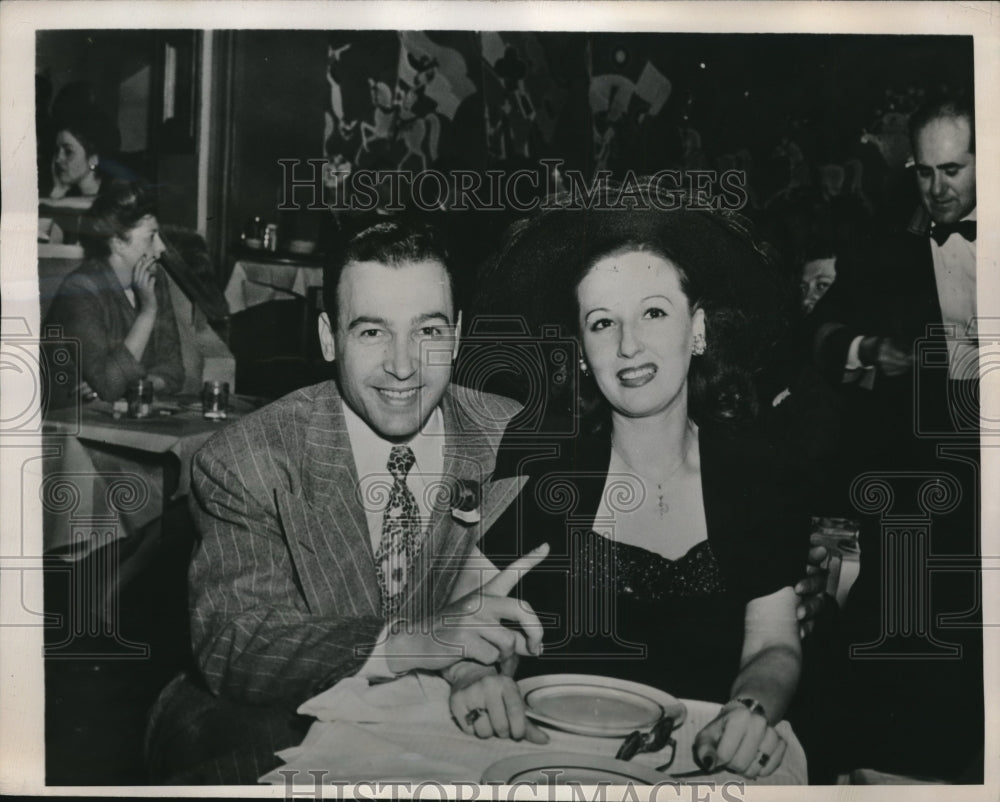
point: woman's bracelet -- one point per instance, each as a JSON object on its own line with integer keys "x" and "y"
{"x": 751, "y": 704}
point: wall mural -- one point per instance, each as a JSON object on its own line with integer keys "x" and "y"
{"x": 414, "y": 100}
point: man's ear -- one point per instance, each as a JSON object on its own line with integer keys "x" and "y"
{"x": 327, "y": 340}
{"x": 458, "y": 336}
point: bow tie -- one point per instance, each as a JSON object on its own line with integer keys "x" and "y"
{"x": 941, "y": 231}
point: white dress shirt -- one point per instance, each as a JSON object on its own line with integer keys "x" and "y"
{"x": 955, "y": 274}
{"x": 371, "y": 458}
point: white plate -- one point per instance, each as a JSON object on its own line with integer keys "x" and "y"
{"x": 588, "y": 704}
{"x": 572, "y": 768}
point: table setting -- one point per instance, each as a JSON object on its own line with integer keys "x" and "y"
{"x": 122, "y": 462}
{"x": 260, "y": 280}
{"x": 601, "y": 730}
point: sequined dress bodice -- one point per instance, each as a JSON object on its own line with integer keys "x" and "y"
{"x": 648, "y": 577}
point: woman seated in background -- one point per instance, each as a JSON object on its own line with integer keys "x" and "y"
{"x": 117, "y": 303}
{"x": 84, "y": 141}
{"x": 675, "y": 533}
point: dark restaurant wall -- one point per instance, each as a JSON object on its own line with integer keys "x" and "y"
{"x": 278, "y": 85}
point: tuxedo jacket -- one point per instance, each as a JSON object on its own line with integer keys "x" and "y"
{"x": 893, "y": 292}
{"x": 283, "y": 591}
{"x": 890, "y": 292}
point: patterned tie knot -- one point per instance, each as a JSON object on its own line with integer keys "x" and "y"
{"x": 401, "y": 459}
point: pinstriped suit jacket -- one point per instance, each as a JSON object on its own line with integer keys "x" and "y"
{"x": 283, "y": 591}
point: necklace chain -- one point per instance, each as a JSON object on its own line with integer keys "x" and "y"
{"x": 659, "y": 482}
{"x": 662, "y": 506}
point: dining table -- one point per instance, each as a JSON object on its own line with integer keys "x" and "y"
{"x": 103, "y": 466}
{"x": 264, "y": 278}
{"x": 105, "y": 481}
{"x": 401, "y": 731}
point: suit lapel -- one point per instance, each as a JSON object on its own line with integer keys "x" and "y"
{"x": 469, "y": 457}
{"x": 336, "y": 576}
{"x": 924, "y": 305}
{"x": 326, "y": 527}
{"x": 328, "y": 530}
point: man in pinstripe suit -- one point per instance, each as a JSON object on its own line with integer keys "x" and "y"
{"x": 315, "y": 560}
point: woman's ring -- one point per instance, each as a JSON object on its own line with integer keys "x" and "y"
{"x": 763, "y": 759}
{"x": 473, "y": 715}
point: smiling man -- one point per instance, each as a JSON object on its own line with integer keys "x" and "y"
{"x": 392, "y": 336}
{"x": 328, "y": 545}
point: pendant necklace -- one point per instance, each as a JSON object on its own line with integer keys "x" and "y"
{"x": 662, "y": 506}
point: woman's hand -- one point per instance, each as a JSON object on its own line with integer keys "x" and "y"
{"x": 487, "y": 704}
{"x": 811, "y": 590}
{"x": 144, "y": 283}
{"x": 59, "y": 189}
{"x": 740, "y": 740}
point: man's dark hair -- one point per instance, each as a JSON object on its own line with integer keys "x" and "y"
{"x": 116, "y": 211}
{"x": 388, "y": 241}
{"x": 959, "y": 106}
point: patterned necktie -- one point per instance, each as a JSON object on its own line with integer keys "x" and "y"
{"x": 966, "y": 228}
{"x": 401, "y": 533}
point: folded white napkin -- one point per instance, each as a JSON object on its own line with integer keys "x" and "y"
{"x": 351, "y": 753}
{"x": 415, "y": 697}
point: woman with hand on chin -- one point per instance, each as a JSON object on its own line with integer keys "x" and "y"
{"x": 685, "y": 578}
{"x": 117, "y": 303}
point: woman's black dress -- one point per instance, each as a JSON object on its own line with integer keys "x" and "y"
{"x": 619, "y": 610}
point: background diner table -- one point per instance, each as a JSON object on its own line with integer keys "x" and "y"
{"x": 402, "y": 731}
{"x": 105, "y": 485}
{"x": 119, "y": 470}
{"x": 259, "y": 280}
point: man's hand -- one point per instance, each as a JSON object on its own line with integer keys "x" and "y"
{"x": 470, "y": 628}
{"x": 892, "y": 360}
{"x": 884, "y": 354}
{"x": 485, "y": 703}
{"x": 811, "y": 590}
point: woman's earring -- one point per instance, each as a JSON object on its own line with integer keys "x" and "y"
{"x": 698, "y": 347}
{"x": 583, "y": 367}
{"x": 93, "y": 166}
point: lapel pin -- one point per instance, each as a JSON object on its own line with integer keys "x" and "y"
{"x": 465, "y": 501}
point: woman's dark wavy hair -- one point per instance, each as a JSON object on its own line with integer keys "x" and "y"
{"x": 92, "y": 128}
{"x": 724, "y": 270}
{"x": 116, "y": 211}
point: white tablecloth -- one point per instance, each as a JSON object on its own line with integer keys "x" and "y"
{"x": 98, "y": 468}
{"x": 255, "y": 283}
{"x": 402, "y": 731}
